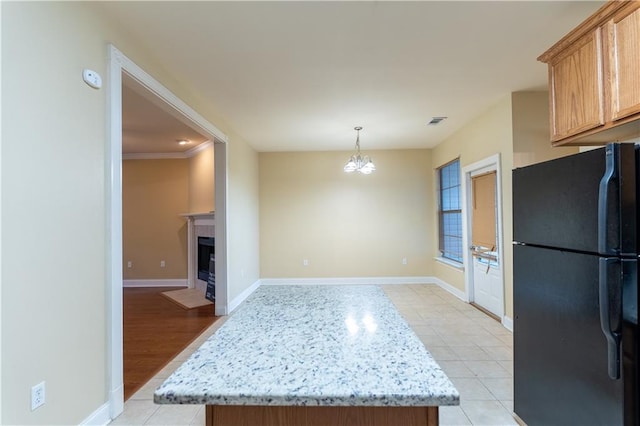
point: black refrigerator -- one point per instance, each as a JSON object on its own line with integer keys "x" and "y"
{"x": 575, "y": 262}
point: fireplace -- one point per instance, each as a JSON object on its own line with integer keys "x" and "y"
{"x": 200, "y": 245}
{"x": 206, "y": 247}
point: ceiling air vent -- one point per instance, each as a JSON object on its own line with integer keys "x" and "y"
{"x": 435, "y": 121}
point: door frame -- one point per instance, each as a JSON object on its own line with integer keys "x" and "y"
{"x": 486, "y": 165}
{"x": 119, "y": 63}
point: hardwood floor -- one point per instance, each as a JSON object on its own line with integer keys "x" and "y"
{"x": 156, "y": 330}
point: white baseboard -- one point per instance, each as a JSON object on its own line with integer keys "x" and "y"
{"x": 507, "y": 323}
{"x": 242, "y": 296}
{"x": 355, "y": 281}
{"x": 348, "y": 281}
{"x": 451, "y": 289}
{"x": 100, "y": 417}
{"x": 180, "y": 282}
{"x": 367, "y": 281}
{"x": 116, "y": 401}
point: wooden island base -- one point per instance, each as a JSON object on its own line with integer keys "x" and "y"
{"x": 247, "y": 415}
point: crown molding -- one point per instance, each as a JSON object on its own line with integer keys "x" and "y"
{"x": 199, "y": 148}
{"x": 168, "y": 155}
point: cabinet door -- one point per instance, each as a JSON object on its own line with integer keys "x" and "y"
{"x": 625, "y": 65}
{"x": 576, "y": 97}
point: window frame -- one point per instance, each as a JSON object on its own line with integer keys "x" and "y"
{"x": 445, "y": 252}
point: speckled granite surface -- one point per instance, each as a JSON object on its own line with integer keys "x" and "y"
{"x": 312, "y": 345}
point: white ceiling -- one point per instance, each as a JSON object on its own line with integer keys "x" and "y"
{"x": 298, "y": 76}
{"x": 149, "y": 129}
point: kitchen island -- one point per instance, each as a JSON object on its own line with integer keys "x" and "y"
{"x": 313, "y": 355}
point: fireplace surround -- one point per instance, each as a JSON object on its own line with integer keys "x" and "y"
{"x": 200, "y": 228}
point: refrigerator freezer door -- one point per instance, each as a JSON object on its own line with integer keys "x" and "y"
{"x": 556, "y": 203}
{"x": 561, "y": 361}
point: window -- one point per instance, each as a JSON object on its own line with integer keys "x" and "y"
{"x": 449, "y": 212}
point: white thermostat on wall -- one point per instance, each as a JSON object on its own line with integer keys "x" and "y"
{"x": 92, "y": 78}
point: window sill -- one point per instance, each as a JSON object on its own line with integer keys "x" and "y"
{"x": 449, "y": 262}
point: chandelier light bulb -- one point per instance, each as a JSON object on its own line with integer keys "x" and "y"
{"x": 351, "y": 166}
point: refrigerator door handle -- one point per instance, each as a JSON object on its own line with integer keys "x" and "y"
{"x": 604, "y": 220}
{"x": 611, "y": 308}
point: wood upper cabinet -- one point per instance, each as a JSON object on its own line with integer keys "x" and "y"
{"x": 594, "y": 78}
{"x": 624, "y": 64}
{"x": 576, "y": 90}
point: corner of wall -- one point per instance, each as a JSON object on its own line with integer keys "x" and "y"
{"x": 236, "y": 301}
{"x": 243, "y": 222}
{"x": 202, "y": 181}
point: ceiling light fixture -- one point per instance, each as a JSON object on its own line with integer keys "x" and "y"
{"x": 357, "y": 163}
{"x": 183, "y": 142}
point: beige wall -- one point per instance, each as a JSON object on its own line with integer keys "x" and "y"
{"x": 516, "y": 127}
{"x": 346, "y": 225}
{"x": 489, "y": 134}
{"x": 202, "y": 181}
{"x": 154, "y": 194}
{"x": 54, "y": 192}
{"x": 242, "y": 218}
{"x": 531, "y": 140}
{"x": 54, "y": 141}
{"x": 53, "y": 313}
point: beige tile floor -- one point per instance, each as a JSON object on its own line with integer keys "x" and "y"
{"x": 474, "y": 350}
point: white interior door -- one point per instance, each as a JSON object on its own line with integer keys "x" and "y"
{"x": 485, "y": 251}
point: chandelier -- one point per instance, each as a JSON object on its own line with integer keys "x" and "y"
{"x": 358, "y": 163}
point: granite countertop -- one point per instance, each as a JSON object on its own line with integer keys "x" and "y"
{"x": 312, "y": 345}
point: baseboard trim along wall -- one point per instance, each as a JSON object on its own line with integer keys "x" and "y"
{"x": 451, "y": 289}
{"x": 233, "y": 304}
{"x": 349, "y": 281}
{"x": 242, "y": 296}
{"x": 179, "y": 282}
{"x": 116, "y": 401}
{"x": 367, "y": 280}
{"x": 507, "y": 323}
{"x": 100, "y": 417}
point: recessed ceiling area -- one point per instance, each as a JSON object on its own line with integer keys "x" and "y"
{"x": 298, "y": 76}
{"x": 147, "y": 126}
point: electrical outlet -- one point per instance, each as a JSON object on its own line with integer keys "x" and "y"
{"x": 305, "y": 262}
{"x": 404, "y": 260}
{"x": 37, "y": 396}
{"x": 129, "y": 264}
{"x": 162, "y": 263}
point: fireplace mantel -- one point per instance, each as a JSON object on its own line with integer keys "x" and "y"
{"x": 201, "y": 218}
{"x": 196, "y": 220}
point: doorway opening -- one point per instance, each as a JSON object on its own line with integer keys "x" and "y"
{"x": 119, "y": 66}
{"x": 483, "y": 253}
